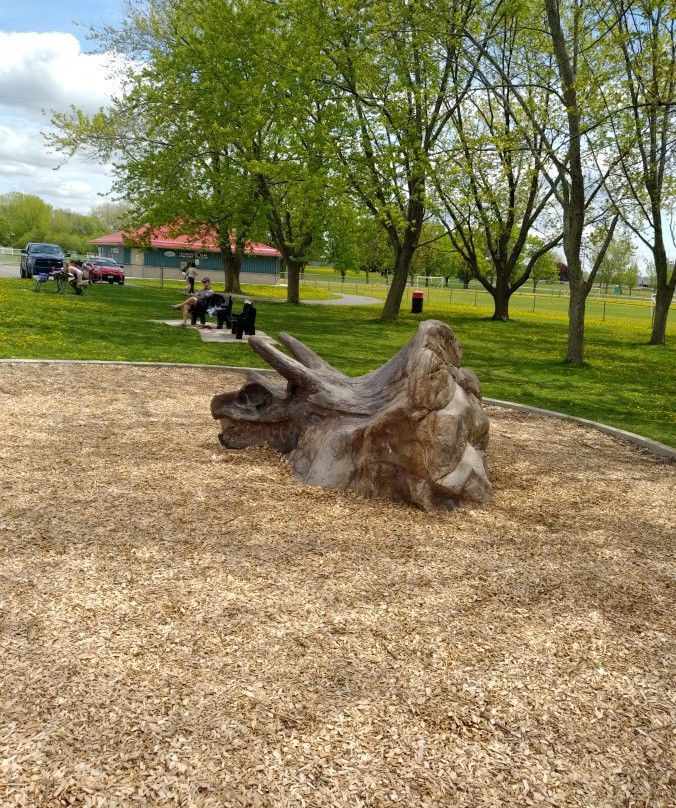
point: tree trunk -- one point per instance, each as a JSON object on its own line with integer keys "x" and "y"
{"x": 403, "y": 256}
{"x": 398, "y": 286}
{"x": 232, "y": 264}
{"x": 664, "y": 292}
{"x": 663, "y": 298}
{"x": 500, "y": 307}
{"x": 500, "y": 294}
{"x": 573, "y": 187}
{"x": 576, "y": 308}
{"x": 293, "y": 272}
{"x": 404, "y": 248}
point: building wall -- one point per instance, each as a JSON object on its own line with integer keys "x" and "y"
{"x": 255, "y": 268}
{"x": 120, "y": 254}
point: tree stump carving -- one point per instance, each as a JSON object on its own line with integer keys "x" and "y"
{"x": 413, "y": 430}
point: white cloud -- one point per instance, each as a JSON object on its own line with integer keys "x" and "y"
{"x": 49, "y": 71}
{"x": 20, "y": 145}
{"x": 41, "y": 73}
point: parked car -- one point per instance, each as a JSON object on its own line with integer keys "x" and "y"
{"x": 38, "y": 257}
{"x": 103, "y": 269}
{"x": 78, "y": 260}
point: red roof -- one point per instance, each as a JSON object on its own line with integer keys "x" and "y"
{"x": 161, "y": 240}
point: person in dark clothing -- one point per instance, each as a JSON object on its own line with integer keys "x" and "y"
{"x": 199, "y": 299}
{"x": 190, "y": 275}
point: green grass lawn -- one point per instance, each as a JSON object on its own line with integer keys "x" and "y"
{"x": 250, "y": 290}
{"x": 552, "y": 297}
{"x": 625, "y": 382}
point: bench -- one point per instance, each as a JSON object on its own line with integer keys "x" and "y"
{"x": 219, "y": 305}
{"x": 41, "y": 278}
{"x": 245, "y": 321}
{"x": 61, "y": 278}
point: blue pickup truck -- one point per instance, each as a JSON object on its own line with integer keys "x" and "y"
{"x": 37, "y": 257}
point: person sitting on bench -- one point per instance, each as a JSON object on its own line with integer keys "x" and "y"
{"x": 218, "y": 306}
{"x": 199, "y": 299}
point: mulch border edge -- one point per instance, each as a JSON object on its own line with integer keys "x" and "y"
{"x": 646, "y": 443}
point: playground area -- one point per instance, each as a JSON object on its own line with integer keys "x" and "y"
{"x": 184, "y": 625}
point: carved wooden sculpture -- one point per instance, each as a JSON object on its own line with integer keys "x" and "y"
{"x": 413, "y": 430}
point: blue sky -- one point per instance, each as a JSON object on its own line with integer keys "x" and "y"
{"x": 47, "y": 63}
{"x": 42, "y": 16}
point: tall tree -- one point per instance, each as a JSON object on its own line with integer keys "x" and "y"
{"x": 111, "y": 213}
{"x": 642, "y": 35}
{"x": 617, "y": 259}
{"x": 492, "y": 181}
{"x": 6, "y": 233}
{"x": 175, "y": 132}
{"x": 572, "y": 34}
{"x": 30, "y": 217}
{"x": 293, "y": 181}
{"x": 354, "y": 241}
{"x": 629, "y": 275}
{"x": 389, "y": 66}
{"x": 294, "y": 205}
{"x": 342, "y": 243}
{"x": 573, "y": 45}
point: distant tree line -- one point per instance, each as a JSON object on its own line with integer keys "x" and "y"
{"x": 481, "y": 136}
{"x": 25, "y": 218}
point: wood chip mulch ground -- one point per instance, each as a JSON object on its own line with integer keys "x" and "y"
{"x": 183, "y": 625}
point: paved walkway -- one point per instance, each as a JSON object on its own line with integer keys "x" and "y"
{"x": 346, "y": 300}
{"x": 339, "y": 300}
{"x": 209, "y": 333}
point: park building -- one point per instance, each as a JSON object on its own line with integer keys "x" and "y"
{"x": 164, "y": 255}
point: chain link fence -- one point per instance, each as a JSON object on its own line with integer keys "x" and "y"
{"x": 546, "y": 298}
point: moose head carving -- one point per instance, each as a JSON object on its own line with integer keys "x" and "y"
{"x": 413, "y": 430}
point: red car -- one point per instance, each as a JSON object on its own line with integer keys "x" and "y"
{"x": 103, "y": 269}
